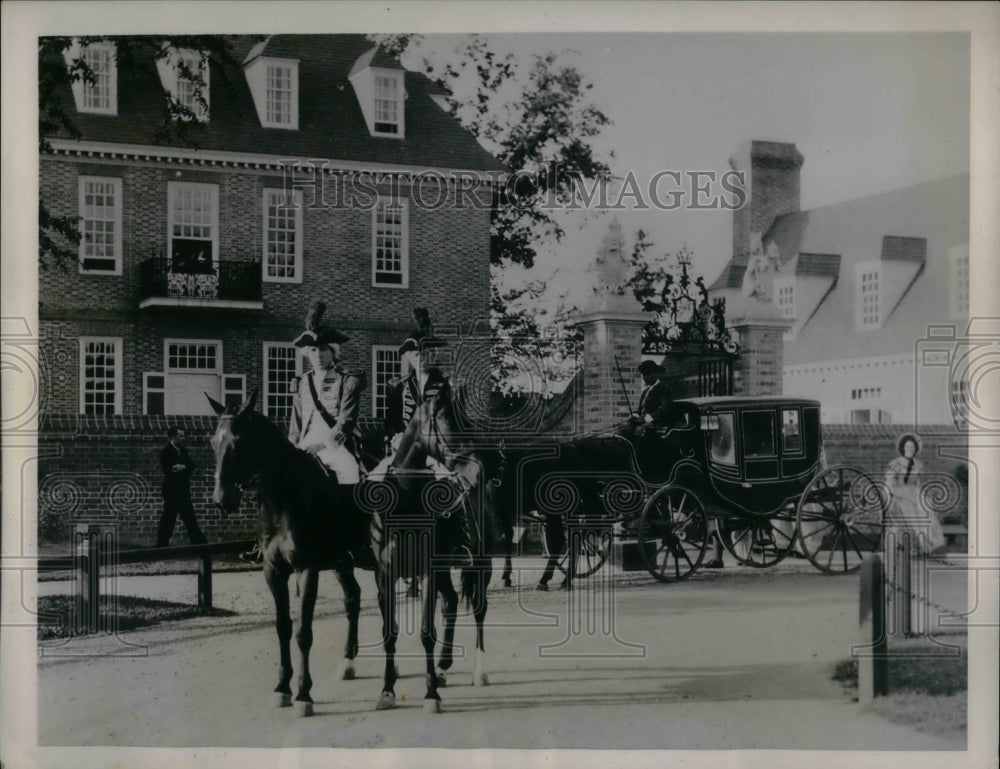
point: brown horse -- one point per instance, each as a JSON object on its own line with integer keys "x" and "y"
{"x": 306, "y": 524}
{"x": 470, "y": 490}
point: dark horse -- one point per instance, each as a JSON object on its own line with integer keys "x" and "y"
{"x": 469, "y": 490}
{"x": 305, "y": 527}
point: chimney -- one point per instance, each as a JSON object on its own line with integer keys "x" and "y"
{"x": 771, "y": 178}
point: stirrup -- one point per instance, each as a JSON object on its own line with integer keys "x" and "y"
{"x": 253, "y": 555}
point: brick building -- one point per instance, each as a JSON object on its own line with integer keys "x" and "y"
{"x": 323, "y": 169}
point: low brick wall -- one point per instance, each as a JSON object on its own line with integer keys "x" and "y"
{"x": 108, "y": 469}
{"x": 944, "y": 453}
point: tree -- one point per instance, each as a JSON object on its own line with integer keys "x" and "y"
{"x": 61, "y": 63}
{"x": 532, "y": 116}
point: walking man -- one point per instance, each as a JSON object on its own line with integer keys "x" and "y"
{"x": 177, "y": 467}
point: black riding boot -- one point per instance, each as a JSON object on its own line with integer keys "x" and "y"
{"x": 463, "y": 539}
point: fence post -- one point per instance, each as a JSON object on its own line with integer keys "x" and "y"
{"x": 87, "y": 583}
{"x": 205, "y": 581}
{"x": 873, "y": 665}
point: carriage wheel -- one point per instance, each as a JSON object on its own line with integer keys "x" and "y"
{"x": 760, "y": 540}
{"x": 673, "y": 534}
{"x": 840, "y": 519}
{"x": 592, "y": 552}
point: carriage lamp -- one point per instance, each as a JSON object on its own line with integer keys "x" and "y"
{"x": 709, "y": 422}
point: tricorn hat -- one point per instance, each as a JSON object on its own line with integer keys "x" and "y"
{"x": 423, "y": 336}
{"x": 316, "y": 335}
{"x": 651, "y": 367}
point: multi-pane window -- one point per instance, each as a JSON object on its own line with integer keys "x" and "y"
{"x": 869, "y": 298}
{"x": 192, "y": 356}
{"x": 100, "y": 375}
{"x": 100, "y": 212}
{"x": 283, "y": 235}
{"x": 387, "y": 90}
{"x": 960, "y": 283}
{"x": 100, "y": 95}
{"x": 385, "y": 366}
{"x": 154, "y": 392}
{"x": 281, "y": 365}
{"x": 960, "y": 402}
{"x": 193, "y": 226}
{"x": 281, "y": 110}
{"x": 786, "y": 301}
{"x": 190, "y": 69}
{"x": 390, "y": 259}
{"x": 866, "y": 393}
{"x": 234, "y": 388}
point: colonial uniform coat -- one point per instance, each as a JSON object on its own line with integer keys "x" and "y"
{"x": 325, "y": 412}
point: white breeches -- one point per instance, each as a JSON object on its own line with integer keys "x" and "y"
{"x": 342, "y": 463}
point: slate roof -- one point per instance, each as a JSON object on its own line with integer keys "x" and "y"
{"x": 817, "y": 265}
{"x": 331, "y": 123}
{"x": 895, "y": 248}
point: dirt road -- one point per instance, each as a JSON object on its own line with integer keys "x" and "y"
{"x": 731, "y": 659}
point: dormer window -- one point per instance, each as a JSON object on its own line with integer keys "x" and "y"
{"x": 378, "y": 83}
{"x": 388, "y": 104}
{"x": 786, "y": 299}
{"x": 869, "y": 298}
{"x": 184, "y": 74}
{"x": 282, "y": 95}
{"x": 99, "y": 97}
{"x": 958, "y": 264}
{"x": 274, "y": 84}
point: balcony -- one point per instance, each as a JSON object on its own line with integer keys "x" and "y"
{"x": 223, "y": 284}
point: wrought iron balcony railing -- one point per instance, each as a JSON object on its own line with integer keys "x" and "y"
{"x": 161, "y": 278}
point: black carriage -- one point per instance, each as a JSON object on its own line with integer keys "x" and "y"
{"x": 749, "y": 468}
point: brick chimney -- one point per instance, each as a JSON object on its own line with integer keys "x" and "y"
{"x": 771, "y": 178}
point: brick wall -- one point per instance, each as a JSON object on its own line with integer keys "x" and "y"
{"x": 759, "y": 368}
{"x": 108, "y": 468}
{"x": 943, "y": 451}
{"x": 774, "y": 189}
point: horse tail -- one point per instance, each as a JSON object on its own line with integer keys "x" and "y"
{"x": 471, "y": 587}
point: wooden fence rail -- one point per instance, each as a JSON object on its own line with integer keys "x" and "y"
{"x": 95, "y": 554}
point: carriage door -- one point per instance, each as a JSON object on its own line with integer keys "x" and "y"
{"x": 193, "y": 369}
{"x": 793, "y": 454}
{"x": 760, "y": 448}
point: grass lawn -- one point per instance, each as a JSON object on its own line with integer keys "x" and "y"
{"x": 132, "y": 613}
{"x": 928, "y": 685}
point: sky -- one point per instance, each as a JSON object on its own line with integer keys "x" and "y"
{"x": 869, "y": 111}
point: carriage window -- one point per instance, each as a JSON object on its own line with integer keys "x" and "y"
{"x": 758, "y": 434}
{"x": 723, "y": 448}
{"x": 791, "y": 435}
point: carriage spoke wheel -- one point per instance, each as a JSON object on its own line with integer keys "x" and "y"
{"x": 591, "y": 552}
{"x": 673, "y": 534}
{"x": 760, "y": 540}
{"x": 840, "y": 519}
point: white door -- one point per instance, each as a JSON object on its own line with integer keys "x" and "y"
{"x": 186, "y": 393}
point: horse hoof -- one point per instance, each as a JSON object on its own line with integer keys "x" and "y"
{"x": 303, "y": 709}
{"x": 346, "y": 671}
{"x": 442, "y": 679}
{"x": 481, "y": 679}
{"x": 432, "y": 706}
{"x": 387, "y": 701}
{"x": 281, "y": 699}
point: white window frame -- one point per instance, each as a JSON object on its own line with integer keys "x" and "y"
{"x": 147, "y": 389}
{"x": 171, "y": 188}
{"x": 116, "y": 183}
{"x": 298, "y": 370}
{"x": 376, "y": 349}
{"x": 203, "y": 68}
{"x": 959, "y": 291}
{"x": 219, "y": 367}
{"x": 397, "y": 78}
{"x": 861, "y": 271}
{"x": 268, "y": 120}
{"x": 404, "y": 243}
{"x": 118, "y": 375}
{"x": 82, "y": 90}
{"x": 224, "y": 391}
{"x": 298, "y": 208}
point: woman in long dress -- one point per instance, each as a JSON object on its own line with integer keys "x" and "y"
{"x": 906, "y": 513}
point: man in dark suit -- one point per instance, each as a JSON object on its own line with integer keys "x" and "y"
{"x": 655, "y": 399}
{"x": 177, "y": 467}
